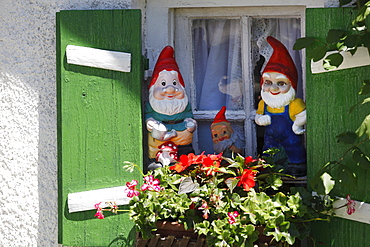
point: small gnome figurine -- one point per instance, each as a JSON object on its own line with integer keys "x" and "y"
{"x": 168, "y": 113}
{"x": 223, "y": 137}
{"x": 282, "y": 114}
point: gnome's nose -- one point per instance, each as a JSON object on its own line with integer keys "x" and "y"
{"x": 274, "y": 88}
{"x": 170, "y": 89}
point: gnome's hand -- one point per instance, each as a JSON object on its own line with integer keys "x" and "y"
{"x": 298, "y": 130}
{"x": 158, "y": 129}
{"x": 152, "y": 123}
{"x": 190, "y": 124}
{"x": 300, "y": 120}
{"x": 262, "y": 120}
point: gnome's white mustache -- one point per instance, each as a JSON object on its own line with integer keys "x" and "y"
{"x": 167, "y": 106}
{"x": 280, "y": 100}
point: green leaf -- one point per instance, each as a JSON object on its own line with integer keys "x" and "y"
{"x": 335, "y": 35}
{"x": 366, "y": 39}
{"x": 188, "y": 185}
{"x": 327, "y": 182}
{"x": 346, "y": 177}
{"x": 362, "y": 15}
{"x": 232, "y": 183}
{"x": 318, "y": 53}
{"x": 303, "y": 43}
{"x": 362, "y": 160}
{"x": 365, "y": 101}
{"x": 333, "y": 61}
{"x": 316, "y": 182}
{"x": 275, "y": 181}
{"x": 353, "y": 51}
{"x": 365, "y": 89}
{"x": 347, "y": 137}
{"x": 352, "y": 41}
{"x": 364, "y": 127}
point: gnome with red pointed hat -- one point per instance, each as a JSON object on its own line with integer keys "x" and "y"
{"x": 223, "y": 137}
{"x": 280, "y": 111}
{"x": 168, "y": 113}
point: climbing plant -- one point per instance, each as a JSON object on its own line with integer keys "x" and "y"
{"x": 338, "y": 40}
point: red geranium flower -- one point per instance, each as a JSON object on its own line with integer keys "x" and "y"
{"x": 248, "y": 160}
{"x": 186, "y": 161}
{"x": 247, "y": 179}
{"x": 210, "y": 166}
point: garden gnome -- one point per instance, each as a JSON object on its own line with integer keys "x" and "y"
{"x": 223, "y": 137}
{"x": 280, "y": 111}
{"x": 168, "y": 113}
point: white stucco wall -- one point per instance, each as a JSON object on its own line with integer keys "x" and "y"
{"x": 28, "y": 144}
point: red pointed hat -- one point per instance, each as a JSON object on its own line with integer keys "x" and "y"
{"x": 166, "y": 61}
{"x": 281, "y": 62}
{"x": 220, "y": 116}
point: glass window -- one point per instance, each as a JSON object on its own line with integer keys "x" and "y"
{"x": 227, "y": 56}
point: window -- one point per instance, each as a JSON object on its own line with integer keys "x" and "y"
{"x": 222, "y": 52}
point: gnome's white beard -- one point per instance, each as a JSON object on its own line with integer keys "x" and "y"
{"x": 280, "y": 100}
{"x": 222, "y": 145}
{"x": 168, "y": 107}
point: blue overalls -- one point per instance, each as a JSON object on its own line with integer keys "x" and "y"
{"x": 280, "y": 133}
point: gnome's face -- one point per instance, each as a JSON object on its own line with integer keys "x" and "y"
{"x": 221, "y": 131}
{"x": 167, "y": 86}
{"x": 277, "y": 90}
{"x": 275, "y": 83}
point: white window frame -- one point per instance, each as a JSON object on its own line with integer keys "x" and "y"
{"x": 183, "y": 47}
{"x": 159, "y": 23}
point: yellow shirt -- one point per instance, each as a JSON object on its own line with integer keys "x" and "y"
{"x": 296, "y": 106}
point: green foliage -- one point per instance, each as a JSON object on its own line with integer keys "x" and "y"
{"x": 232, "y": 205}
{"x": 338, "y": 40}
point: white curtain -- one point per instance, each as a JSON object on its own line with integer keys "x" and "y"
{"x": 287, "y": 31}
{"x": 217, "y": 63}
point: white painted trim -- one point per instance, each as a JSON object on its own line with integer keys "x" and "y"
{"x": 362, "y": 213}
{"x": 97, "y": 58}
{"x": 86, "y": 200}
{"x": 360, "y": 58}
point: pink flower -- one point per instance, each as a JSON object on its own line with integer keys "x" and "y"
{"x": 99, "y": 211}
{"x": 99, "y": 214}
{"x": 131, "y": 188}
{"x": 151, "y": 184}
{"x": 232, "y": 216}
{"x": 205, "y": 209}
{"x": 350, "y": 205}
{"x": 97, "y": 206}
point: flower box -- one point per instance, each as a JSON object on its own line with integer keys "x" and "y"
{"x": 172, "y": 234}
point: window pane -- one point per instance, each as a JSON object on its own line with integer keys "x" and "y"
{"x": 217, "y": 64}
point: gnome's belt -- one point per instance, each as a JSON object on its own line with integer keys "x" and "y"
{"x": 172, "y": 122}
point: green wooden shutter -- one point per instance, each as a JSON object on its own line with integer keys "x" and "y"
{"x": 329, "y": 97}
{"x": 99, "y": 121}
